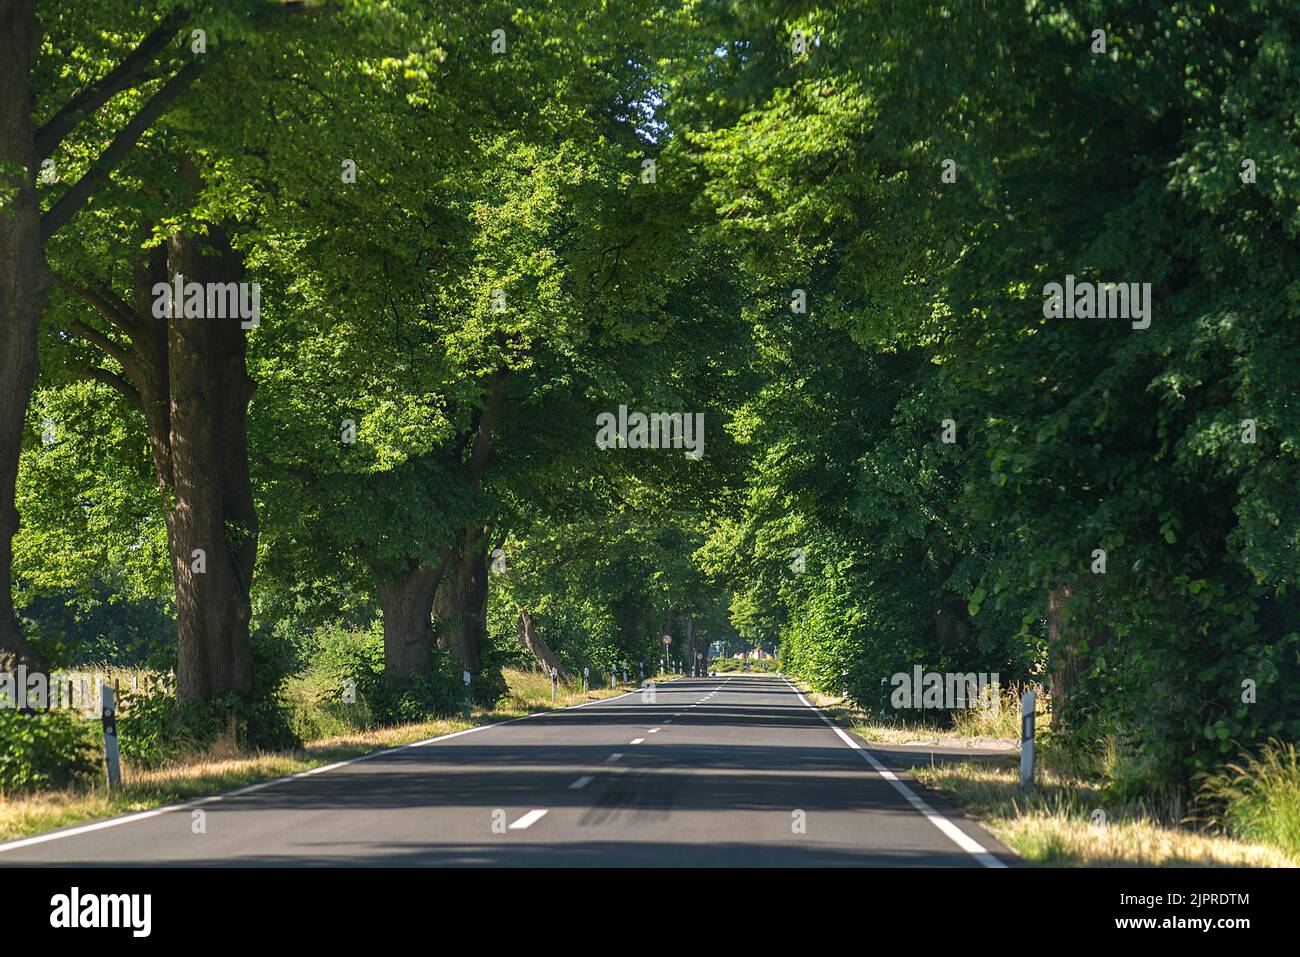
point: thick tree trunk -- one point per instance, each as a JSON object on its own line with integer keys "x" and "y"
{"x": 23, "y": 285}
{"x": 461, "y": 601}
{"x": 534, "y": 642}
{"x": 213, "y": 519}
{"x": 1062, "y": 653}
{"x": 951, "y": 623}
{"x": 189, "y": 379}
{"x": 461, "y": 588}
{"x": 24, "y": 279}
{"x": 407, "y": 604}
{"x": 149, "y": 372}
{"x": 410, "y": 601}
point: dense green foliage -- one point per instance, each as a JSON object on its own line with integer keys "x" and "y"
{"x": 842, "y": 260}
{"x": 1072, "y": 434}
{"x": 44, "y": 750}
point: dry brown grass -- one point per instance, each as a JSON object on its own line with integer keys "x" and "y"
{"x": 971, "y": 730}
{"x": 1057, "y": 824}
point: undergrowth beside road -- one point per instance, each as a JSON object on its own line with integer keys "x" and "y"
{"x": 1072, "y": 818}
{"x": 968, "y": 729}
{"x": 1057, "y": 824}
{"x": 224, "y": 767}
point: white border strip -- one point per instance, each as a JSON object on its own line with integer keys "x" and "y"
{"x": 956, "y": 834}
{"x": 262, "y": 785}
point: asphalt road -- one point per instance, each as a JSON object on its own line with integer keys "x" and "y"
{"x": 714, "y": 772}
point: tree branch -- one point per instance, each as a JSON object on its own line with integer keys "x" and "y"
{"x": 115, "y": 382}
{"x": 71, "y": 202}
{"x": 101, "y": 342}
{"x": 112, "y": 308}
{"x": 130, "y": 72}
{"x": 482, "y": 448}
{"x": 304, "y": 474}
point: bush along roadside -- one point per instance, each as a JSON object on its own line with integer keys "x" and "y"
{"x": 342, "y": 687}
{"x": 45, "y": 749}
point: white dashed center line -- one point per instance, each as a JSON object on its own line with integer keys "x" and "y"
{"x": 528, "y": 820}
{"x": 581, "y": 783}
{"x": 614, "y": 757}
{"x": 637, "y": 741}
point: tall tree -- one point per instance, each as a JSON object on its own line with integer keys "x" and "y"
{"x": 77, "y": 78}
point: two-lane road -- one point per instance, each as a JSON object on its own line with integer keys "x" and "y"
{"x": 730, "y": 771}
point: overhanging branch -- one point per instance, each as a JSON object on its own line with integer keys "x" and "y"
{"x": 115, "y": 382}
{"x": 105, "y": 302}
{"x": 130, "y": 72}
{"x": 100, "y": 342}
{"x": 71, "y": 202}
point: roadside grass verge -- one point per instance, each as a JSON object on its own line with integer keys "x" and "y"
{"x": 1258, "y": 798}
{"x": 1065, "y": 822}
{"x": 976, "y": 727}
{"x": 223, "y": 767}
{"x": 1067, "y": 819}
{"x": 531, "y": 691}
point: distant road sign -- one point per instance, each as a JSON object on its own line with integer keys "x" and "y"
{"x": 667, "y": 640}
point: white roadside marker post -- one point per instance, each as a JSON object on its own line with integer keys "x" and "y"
{"x": 1027, "y": 705}
{"x": 108, "y": 716}
{"x": 585, "y": 673}
{"x": 555, "y": 682}
{"x": 469, "y": 707}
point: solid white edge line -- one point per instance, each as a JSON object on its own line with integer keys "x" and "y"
{"x": 262, "y": 785}
{"x": 951, "y": 830}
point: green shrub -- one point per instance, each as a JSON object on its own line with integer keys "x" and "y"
{"x": 417, "y": 698}
{"x": 144, "y": 733}
{"x": 342, "y": 659}
{"x": 489, "y": 685}
{"x": 155, "y": 727}
{"x": 320, "y": 711}
{"x": 341, "y": 655}
{"x": 49, "y": 749}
